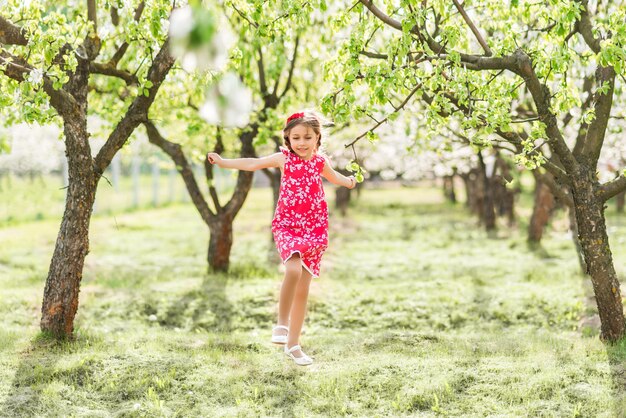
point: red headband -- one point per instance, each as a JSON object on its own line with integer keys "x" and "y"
{"x": 295, "y": 116}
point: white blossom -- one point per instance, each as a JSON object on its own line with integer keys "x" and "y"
{"x": 181, "y": 22}
{"x": 35, "y": 76}
{"x": 209, "y": 112}
{"x": 228, "y": 103}
{"x": 209, "y": 56}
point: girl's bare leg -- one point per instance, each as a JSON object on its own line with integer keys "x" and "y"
{"x": 293, "y": 271}
{"x": 298, "y": 311}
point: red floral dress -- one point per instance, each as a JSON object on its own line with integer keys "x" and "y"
{"x": 300, "y": 223}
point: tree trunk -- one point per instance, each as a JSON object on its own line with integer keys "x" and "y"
{"x": 274, "y": 176}
{"x": 507, "y": 205}
{"x": 469, "y": 195}
{"x": 342, "y": 200}
{"x": 343, "y": 195}
{"x": 506, "y": 201}
{"x": 448, "y": 188}
{"x": 475, "y": 192}
{"x": 594, "y": 243}
{"x": 573, "y": 225}
{"x": 488, "y": 213}
{"x": 542, "y": 210}
{"x": 220, "y": 243}
{"x": 60, "y": 300}
{"x": 221, "y": 224}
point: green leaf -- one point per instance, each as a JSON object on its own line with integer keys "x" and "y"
{"x": 372, "y": 136}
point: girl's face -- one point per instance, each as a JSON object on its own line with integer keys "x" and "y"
{"x": 303, "y": 141}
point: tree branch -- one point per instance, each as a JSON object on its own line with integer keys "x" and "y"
{"x": 177, "y": 155}
{"x": 291, "y": 68}
{"x": 582, "y": 129}
{"x": 137, "y": 111}
{"x": 472, "y": 62}
{"x": 110, "y": 70}
{"x": 374, "y": 55}
{"x": 251, "y": 23}
{"x": 11, "y": 34}
{"x": 513, "y": 138}
{"x": 541, "y": 96}
{"x": 550, "y": 166}
{"x": 372, "y": 129}
{"x": 115, "y": 17}
{"x": 124, "y": 47}
{"x": 244, "y": 178}
{"x": 603, "y": 104}
{"x": 208, "y": 169}
{"x": 18, "y": 69}
{"x": 612, "y": 188}
{"x": 389, "y": 21}
{"x": 262, "y": 82}
{"x": 557, "y": 189}
{"x": 475, "y": 31}
{"x": 92, "y": 14}
{"x": 585, "y": 28}
{"x": 466, "y": 141}
{"x": 89, "y": 49}
{"x": 272, "y": 174}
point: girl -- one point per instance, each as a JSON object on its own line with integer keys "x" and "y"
{"x": 300, "y": 224}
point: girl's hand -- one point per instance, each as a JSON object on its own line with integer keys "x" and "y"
{"x": 214, "y": 158}
{"x": 352, "y": 182}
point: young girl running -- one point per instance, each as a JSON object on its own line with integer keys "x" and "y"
{"x": 300, "y": 224}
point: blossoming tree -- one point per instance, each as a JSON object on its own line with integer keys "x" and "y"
{"x": 520, "y": 73}
{"x": 270, "y": 68}
{"x": 53, "y": 65}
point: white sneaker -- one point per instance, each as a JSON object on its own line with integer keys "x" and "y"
{"x": 300, "y": 361}
{"x": 279, "y": 339}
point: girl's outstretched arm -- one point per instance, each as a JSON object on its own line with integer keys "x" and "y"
{"x": 247, "y": 164}
{"x": 337, "y": 178}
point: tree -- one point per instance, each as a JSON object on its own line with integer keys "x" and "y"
{"x": 543, "y": 207}
{"x": 276, "y": 64}
{"x": 543, "y": 67}
{"x": 48, "y": 68}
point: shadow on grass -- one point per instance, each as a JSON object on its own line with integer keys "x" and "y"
{"x": 23, "y": 396}
{"x": 212, "y": 306}
{"x": 206, "y": 307}
{"x": 285, "y": 391}
{"x": 538, "y": 250}
{"x": 37, "y": 369}
{"x": 616, "y": 352}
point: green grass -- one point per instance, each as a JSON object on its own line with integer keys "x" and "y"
{"x": 416, "y": 313}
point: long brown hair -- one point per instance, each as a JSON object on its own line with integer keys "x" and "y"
{"x": 308, "y": 119}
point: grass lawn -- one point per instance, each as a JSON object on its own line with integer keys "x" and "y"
{"x": 416, "y": 313}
